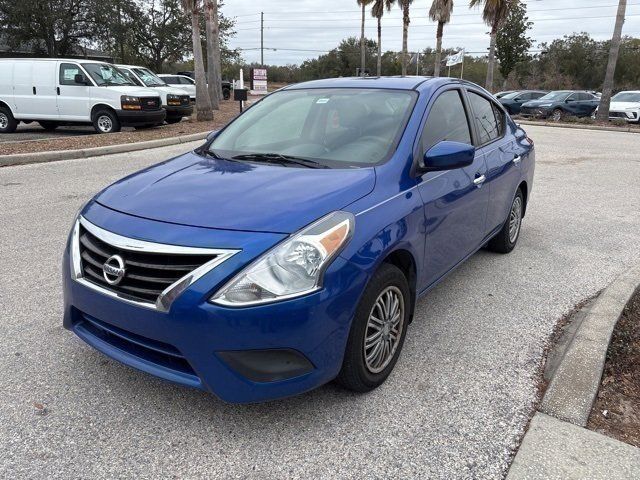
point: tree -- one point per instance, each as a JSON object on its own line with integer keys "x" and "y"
{"x": 512, "y": 43}
{"x": 51, "y": 27}
{"x": 213, "y": 53}
{"x": 203, "y": 102}
{"x": 614, "y": 48}
{"x": 404, "y": 5}
{"x": 363, "y": 58}
{"x": 377, "y": 11}
{"x": 494, "y": 14}
{"x": 440, "y": 12}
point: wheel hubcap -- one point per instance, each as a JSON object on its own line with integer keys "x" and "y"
{"x": 384, "y": 329}
{"x": 4, "y": 120}
{"x": 557, "y": 116}
{"x": 105, "y": 124}
{"x": 515, "y": 218}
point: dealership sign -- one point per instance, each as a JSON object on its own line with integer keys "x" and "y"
{"x": 258, "y": 81}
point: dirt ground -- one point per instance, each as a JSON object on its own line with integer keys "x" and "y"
{"x": 228, "y": 110}
{"x": 616, "y": 412}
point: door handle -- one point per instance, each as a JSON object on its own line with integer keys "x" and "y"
{"x": 34, "y": 90}
{"x": 517, "y": 159}
{"x": 58, "y": 90}
{"x": 478, "y": 181}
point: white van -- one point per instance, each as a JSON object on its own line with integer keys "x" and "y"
{"x": 56, "y": 92}
{"x": 182, "y": 82}
{"x": 175, "y": 101}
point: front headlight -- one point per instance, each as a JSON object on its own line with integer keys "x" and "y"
{"x": 130, "y": 103}
{"x": 293, "y": 268}
{"x": 545, "y": 104}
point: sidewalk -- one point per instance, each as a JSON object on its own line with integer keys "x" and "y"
{"x": 553, "y": 449}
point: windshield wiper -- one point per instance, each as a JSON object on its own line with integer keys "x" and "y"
{"x": 280, "y": 159}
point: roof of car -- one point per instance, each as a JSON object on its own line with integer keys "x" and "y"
{"x": 398, "y": 82}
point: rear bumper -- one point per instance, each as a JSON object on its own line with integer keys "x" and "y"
{"x": 179, "y": 111}
{"x": 132, "y": 118}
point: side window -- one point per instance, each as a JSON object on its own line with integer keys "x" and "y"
{"x": 131, "y": 77}
{"x": 68, "y": 72}
{"x": 484, "y": 114}
{"x": 447, "y": 121}
{"x": 497, "y": 111}
{"x": 171, "y": 80}
{"x": 525, "y": 96}
{"x": 537, "y": 95}
{"x": 186, "y": 81}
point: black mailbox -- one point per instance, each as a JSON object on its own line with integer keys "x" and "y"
{"x": 240, "y": 94}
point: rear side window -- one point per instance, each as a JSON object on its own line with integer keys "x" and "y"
{"x": 185, "y": 81}
{"x": 537, "y": 95}
{"x": 488, "y": 124}
{"x": 447, "y": 121}
{"x": 68, "y": 72}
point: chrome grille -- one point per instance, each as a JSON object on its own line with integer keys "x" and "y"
{"x": 153, "y": 274}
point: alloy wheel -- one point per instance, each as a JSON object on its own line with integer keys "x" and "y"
{"x": 515, "y": 219}
{"x": 384, "y": 329}
{"x": 556, "y": 115}
{"x": 4, "y": 120}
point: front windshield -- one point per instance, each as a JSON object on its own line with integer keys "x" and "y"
{"x": 106, "y": 75}
{"x": 337, "y": 127}
{"x": 559, "y": 95}
{"x": 626, "y": 97}
{"x": 149, "y": 78}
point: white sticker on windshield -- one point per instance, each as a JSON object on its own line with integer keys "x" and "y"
{"x": 322, "y": 100}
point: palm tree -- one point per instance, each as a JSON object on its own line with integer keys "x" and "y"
{"x": 213, "y": 63}
{"x": 494, "y": 14}
{"x": 203, "y": 102}
{"x": 363, "y": 59}
{"x": 405, "y": 4}
{"x": 440, "y": 12}
{"x": 378, "y": 11}
{"x": 607, "y": 88}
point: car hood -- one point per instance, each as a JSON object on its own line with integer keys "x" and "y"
{"x": 203, "y": 192}
{"x": 134, "y": 91}
{"x": 624, "y": 105}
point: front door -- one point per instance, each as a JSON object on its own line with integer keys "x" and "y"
{"x": 74, "y": 99}
{"x": 455, "y": 201}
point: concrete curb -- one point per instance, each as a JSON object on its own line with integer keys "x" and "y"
{"x": 41, "y": 157}
{"x": 574, "y": 386}
{"x": 582, "y": 127}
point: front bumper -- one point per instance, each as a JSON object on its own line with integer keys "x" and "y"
{"x": 196, "y": 343}
{"x": 536, "y": 112}
{"x": 178, "y": 111}
{"x": 628, "y": 115}
{"x": 133, "y": 118}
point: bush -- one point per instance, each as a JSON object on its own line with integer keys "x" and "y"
{"x": 586, "y": 121}
{"x": 619, "y": 122}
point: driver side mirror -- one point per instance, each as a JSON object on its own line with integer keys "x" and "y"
{"x": 448, "y": 155}
{"x": 80, "y": 79}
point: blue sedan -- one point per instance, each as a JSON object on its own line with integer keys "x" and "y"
{"x": 290, "y": 249}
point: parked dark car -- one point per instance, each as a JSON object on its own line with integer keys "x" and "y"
{"x": 512, "y": 102}
{"x": 560, "y": 103}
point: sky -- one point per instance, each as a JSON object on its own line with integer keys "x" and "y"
{"x": 302, "y": 29}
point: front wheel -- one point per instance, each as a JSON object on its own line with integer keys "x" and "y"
{"x": 377, "y": 332}
{"x": 106, "y": 121}
{"x": 557, "y": 115}
{"x": 226, "y": 94}
{"x": 507, "y": 237}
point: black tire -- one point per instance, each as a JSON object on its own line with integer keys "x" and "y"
{"x": 106, "y": 121}
{"x": 48, "y": 126}
{"x": 8, "y": 124}
{"x": 557, "y": 114}
{"x": 172, "y": 120}
{"x": 504, "y": 242}
{"x": 355, "y": 373}
{"x": 226, "y": 93}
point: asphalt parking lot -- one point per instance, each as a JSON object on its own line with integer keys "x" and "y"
{"x": 456, "y": 405}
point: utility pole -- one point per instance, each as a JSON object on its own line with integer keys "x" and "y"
{"x": 262, "y": 39}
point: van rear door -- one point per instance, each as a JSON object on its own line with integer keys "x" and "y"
{"x": 34, "y": 89}
{"x": 74, "y": 99}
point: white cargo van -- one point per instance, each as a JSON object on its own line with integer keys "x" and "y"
{"x": 175, "y": 101}
{"x": 56, "y": 92}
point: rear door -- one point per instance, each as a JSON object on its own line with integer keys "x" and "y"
{"x": 455, "y": 201}
{"x": 498, "y": 148}
{"x": 74, "y": 99}
{"x": 35, "y": 90}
